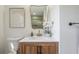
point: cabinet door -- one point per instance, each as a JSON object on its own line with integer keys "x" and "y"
{"x": 33, "y": 49}
{"x": 50, "y": 49}
{"x": 45, "y": 49}
{"x": 27, "y": 49}
{"x": 53, "y": 49}
{"x": 21, "y": 48}
{"x": 24, "y": 49}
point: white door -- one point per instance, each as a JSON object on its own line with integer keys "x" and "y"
{"x": 69, "y": 35}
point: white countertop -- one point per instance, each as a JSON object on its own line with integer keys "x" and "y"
{"x": 38, "y": 39}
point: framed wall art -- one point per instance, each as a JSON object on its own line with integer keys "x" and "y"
{"x": 16, "y": 17}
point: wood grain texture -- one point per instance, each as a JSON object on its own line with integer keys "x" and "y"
{"x": 38, "y": 48}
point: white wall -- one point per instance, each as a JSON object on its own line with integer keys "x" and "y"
{"x": 18, "y": 32}
{"x": 68, "y": 34}
{"x": 54, "y": 16}
{"x": 2, "y": 41}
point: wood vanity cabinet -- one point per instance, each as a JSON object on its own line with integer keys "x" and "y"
{"x": 38, "y": 48}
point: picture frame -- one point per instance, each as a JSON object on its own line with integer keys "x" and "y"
{"x": 16, "y": 17}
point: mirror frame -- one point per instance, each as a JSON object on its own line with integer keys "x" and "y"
{"x": 45, "y": 10}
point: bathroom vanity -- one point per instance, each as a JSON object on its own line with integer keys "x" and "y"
{"x": 38, "y": 46}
